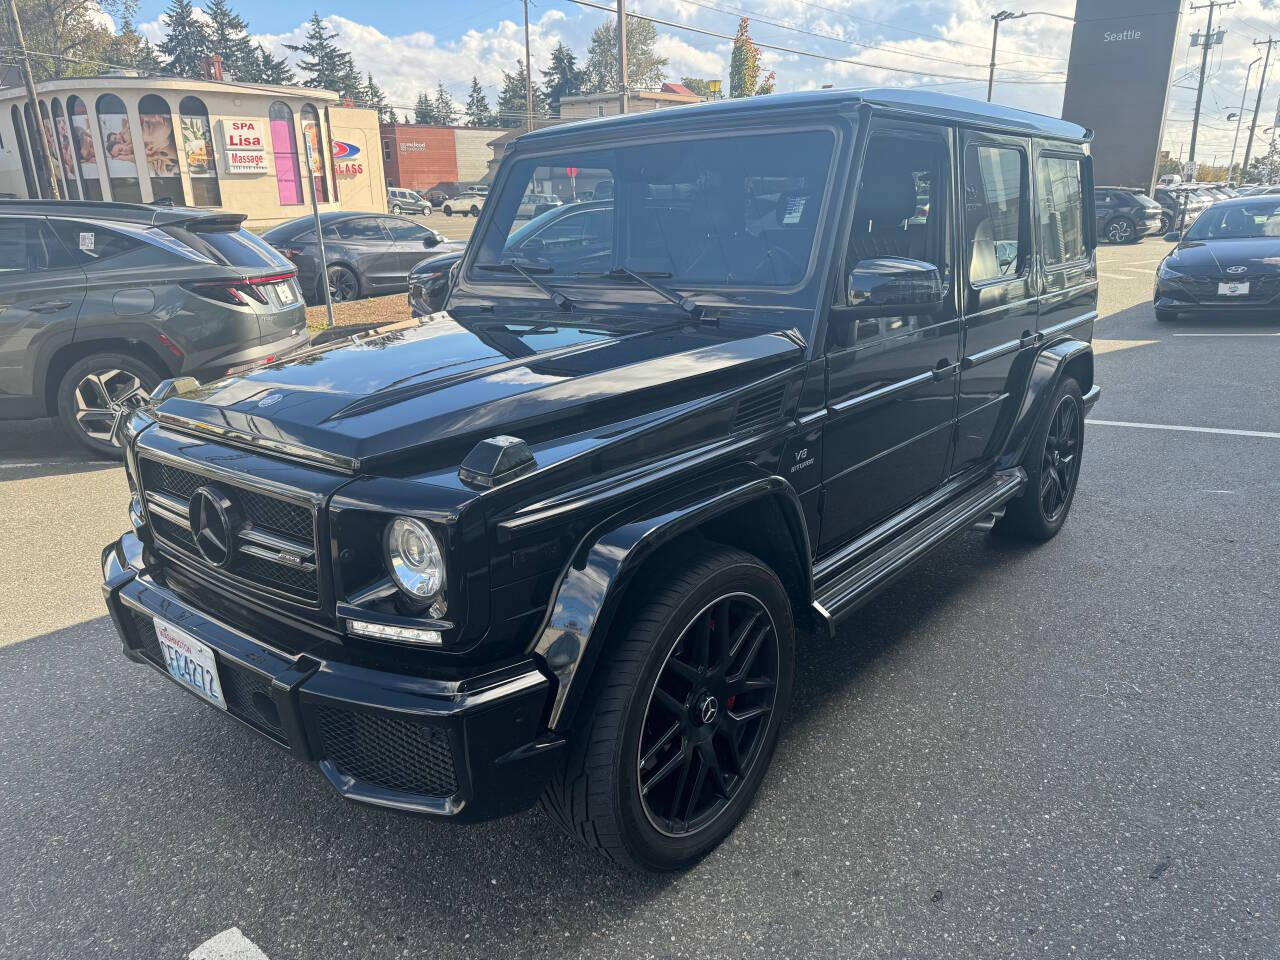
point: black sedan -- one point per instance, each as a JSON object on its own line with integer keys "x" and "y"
{"x": 1227, "y": 263}
{"x": 368, "y": 254}
{"x": 429, "y": 283}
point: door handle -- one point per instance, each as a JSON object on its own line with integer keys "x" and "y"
{"x": 944, "y": 369}
{"x": 49, "y": 306}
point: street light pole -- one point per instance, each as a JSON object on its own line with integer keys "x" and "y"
{"x": 996, "y": 20}
{"x": 623, "y": 103}
{"x": 1240, "y": 117}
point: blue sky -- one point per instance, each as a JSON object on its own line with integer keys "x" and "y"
{"x": 412, "y": 47}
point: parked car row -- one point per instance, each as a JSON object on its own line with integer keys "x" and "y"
{"x": 1126, "y": 214}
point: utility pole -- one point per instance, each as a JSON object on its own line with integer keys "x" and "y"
{"x": 43, "y": 148}
{"x": 1209, "y": 41}
{"x": 996, "y": 20}
{"x": 622, "y": 57}
{"x": 1262, "y": 83}
{"x": 1240, "y": 118}
{"x": 528, "y": 72}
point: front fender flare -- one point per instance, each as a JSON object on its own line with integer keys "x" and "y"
{"x": 1046, "y": 372}
{"x": 590, "y": 589}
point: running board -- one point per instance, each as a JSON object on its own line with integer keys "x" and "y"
{"x": 852, "y": 588}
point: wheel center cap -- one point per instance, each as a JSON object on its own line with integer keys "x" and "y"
{"x": 706, "y": 708}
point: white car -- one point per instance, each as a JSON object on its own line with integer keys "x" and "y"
{"x": 532, "y": 204}
{"x": 464, "y": 203}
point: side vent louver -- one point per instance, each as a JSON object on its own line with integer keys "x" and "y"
{"x": 758, "y": 409}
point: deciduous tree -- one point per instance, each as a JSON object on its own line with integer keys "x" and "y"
{"x": 744, "y": 65}
{"x": 646, "y": 70}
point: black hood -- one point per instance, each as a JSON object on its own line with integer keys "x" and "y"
{"x": 427, "y": 394}
{"x": 1259, "y": 256}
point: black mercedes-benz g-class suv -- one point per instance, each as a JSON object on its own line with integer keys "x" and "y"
{"x": 556, "y": 542}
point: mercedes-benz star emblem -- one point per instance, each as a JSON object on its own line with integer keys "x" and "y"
{"x": 1238, "y": 269}
{"x": 214, "y": 522}
{"x": 708, "y": 708}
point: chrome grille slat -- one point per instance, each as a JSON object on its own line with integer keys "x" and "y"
{"x": 274, "y": 551}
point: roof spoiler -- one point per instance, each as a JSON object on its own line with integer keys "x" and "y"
{"x": 201, "y": 222}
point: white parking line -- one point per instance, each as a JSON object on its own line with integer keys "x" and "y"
{"x": 230, "y": 944}
{"x": 1227, "y": 334}
{"x": 1165, "y": 426}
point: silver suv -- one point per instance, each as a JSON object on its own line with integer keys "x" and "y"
{"x": 101, "y": 301}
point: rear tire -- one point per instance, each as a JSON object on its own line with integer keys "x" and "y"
{"x": 1052, "y": 463}
{"x": 694, "y": 651}
{"x": 395, "y": 208}
{"x": 475, "y": 211}
{"x": 344, "y": 285}
{"x": 97, "y": 389}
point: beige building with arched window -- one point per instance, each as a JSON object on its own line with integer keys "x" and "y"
{"x": 239, "y": 147}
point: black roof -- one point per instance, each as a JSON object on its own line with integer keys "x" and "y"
{"x": 141, "y": 213}
{"x": 936, "y": 105}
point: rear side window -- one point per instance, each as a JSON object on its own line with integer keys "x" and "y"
{"x": 1062, "y": 235}
{"x": 232, "y": 248}
{"x": 359, "y": 228}
{"x": 89, "y": 243}
{"x": 28, "y": 245}
{"x": 994, "y": 179}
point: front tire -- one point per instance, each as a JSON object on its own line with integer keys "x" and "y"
{"x": 395, "y": 208}
{"x": 97, "y": 390}
{"x": 682, "y": 719}
{"x": 448, "y": 210}
{"x": 1052, "y": 463}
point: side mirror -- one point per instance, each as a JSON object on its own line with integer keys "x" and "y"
{"x": 1173, "y": 236}
{"x": 430, "y": 240}
{"x": 894, "y": 282}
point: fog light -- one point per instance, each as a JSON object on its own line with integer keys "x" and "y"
{"x": 382, "y": 631}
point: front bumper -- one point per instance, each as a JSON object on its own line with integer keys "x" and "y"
{"x": 466, "y": 750}
{"x": 1169, "y": 300}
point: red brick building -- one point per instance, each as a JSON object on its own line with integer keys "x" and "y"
{"x": 422, "y": 157}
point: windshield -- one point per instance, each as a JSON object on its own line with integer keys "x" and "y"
{"x": 715, "y": 212}
{"x": 1238, "y": 221}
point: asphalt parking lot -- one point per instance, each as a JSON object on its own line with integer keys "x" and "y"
{"x": 1060, "y": 751}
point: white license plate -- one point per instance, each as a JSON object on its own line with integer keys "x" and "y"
{"x": 1233, "y": 289}
{"x": 190, "y": 662}
{"x": 285, "y": 292}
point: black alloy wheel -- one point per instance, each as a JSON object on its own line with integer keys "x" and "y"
{"x": 1052, "y": 463}
{"x": 343, "y": 285}
{"x": 707, "y": 715}
{"x": 1060, "y": 462}
{"x": 1121, "y": 230}
{"x": 682, "y": 716}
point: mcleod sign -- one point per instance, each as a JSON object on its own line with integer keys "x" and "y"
{"x": 244, "y": 145}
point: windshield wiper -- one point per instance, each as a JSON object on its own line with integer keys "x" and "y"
{"x": 527, "y": 270}
{"x": 687, "y": 304}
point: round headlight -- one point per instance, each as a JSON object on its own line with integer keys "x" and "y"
{"x": 414, "y": 558}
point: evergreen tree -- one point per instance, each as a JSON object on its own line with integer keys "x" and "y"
{"x": 186, "y": 41}
{"x": 562, "y": 78}
{"x": 478, "y": 112}
{"x": 645, "y": 69}
{"x": 229, "y": 39}
{"x": 327, "y": 66}
{"x": 272, "y": 69}
{"x": 375, "y": 99}
{"x": 147, "y": 60}
{"x": 511, "y": 105}
{"x": 424, "y": 111}
{"x": 744, "y": 65}
{"x": 445, "y": 110}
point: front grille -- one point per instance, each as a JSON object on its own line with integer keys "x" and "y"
{"x": 295, "y": 576}
{"x": 1205, "y": 289}
{"x": 388, "y": 752}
